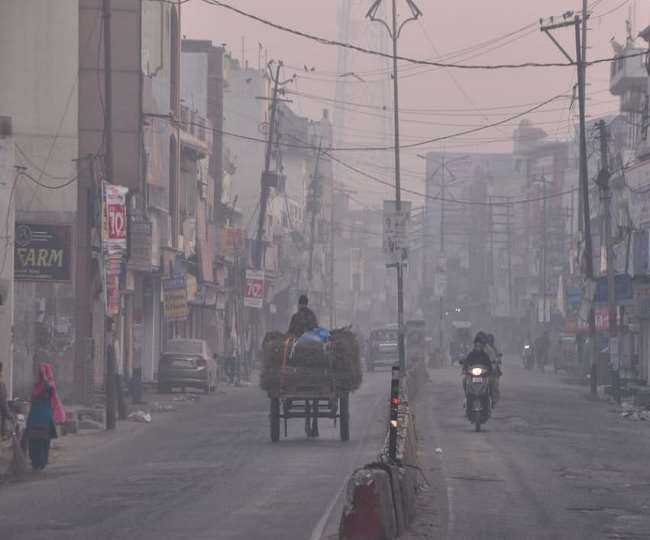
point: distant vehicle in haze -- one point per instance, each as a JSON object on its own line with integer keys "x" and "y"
{"x": 187, "y": 363}
{"x": 461, "y": 340}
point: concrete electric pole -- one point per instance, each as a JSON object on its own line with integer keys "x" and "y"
{"x": 606, "y": 198}
{"x": 580, "y": 25}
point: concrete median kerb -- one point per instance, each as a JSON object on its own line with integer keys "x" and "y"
{"x": 381, "y": 497}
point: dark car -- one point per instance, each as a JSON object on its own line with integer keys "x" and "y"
{"x": 382, "y": 347}
{"x": 187, "y": 363}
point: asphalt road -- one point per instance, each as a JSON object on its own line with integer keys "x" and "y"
{"x": 551, "y": 464}
{"x": 208, "y": 472}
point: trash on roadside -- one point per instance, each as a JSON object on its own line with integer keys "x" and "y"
{"x": 140, "y": 416}
{"x": 187, "y": 397}
{"x": 162, "y": 407}
{"x": 438, "y": 450}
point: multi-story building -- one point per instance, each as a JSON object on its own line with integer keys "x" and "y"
{"x": 8, "y": 180}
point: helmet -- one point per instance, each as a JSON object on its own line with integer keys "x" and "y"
{"x": 480, "y": 338}
{"x": 303, "y": 300}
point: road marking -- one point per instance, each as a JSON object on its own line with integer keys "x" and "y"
{"x": 319, "y": 529}
{"x": 317, "y": 533}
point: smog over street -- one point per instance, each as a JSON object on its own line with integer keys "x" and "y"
{"x": 324, "y": 270}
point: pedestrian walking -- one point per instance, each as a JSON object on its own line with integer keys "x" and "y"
{"x": 5, "y": 414}
{"x": 45, "y": 412}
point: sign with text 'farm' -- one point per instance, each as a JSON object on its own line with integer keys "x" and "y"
{"x": 254, "y": 292}
{"x": 43, "y": 252}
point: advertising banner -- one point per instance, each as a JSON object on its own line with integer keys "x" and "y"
{"x": 43, "y": 252}
{"x": 254, "y": 292}
{"x": 114, "y": 219}
{"x": 396, "y": 225}
{"x": 140, "y": 241}
{"x": 175, "y": 299}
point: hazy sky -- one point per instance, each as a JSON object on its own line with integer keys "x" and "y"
{"x": 446, "y": 100}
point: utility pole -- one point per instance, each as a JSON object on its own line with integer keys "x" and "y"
{"x": 509, "y": 247}
{"x": 314, "y": 208}
{"x": 581, "y": 50}
{"x": 111, "y": 368}
{"x": 443, "y": 193}
{"x": 266, "y": 180}
{"x": 331, "y": 262}
{"x": 544, "y": 250}
{"x": 394, "y": 32}
{"x": 606, "y": 198}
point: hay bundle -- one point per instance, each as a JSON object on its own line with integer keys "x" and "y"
{"x": 343, "y": 357}
{"x": 347, "y": 359}
{"x": 275, "y": 348}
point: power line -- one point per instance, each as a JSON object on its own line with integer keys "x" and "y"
{"x": 453, "y": 201}
{"x": 331, "y": 42}
{"x": 384, "y": 148}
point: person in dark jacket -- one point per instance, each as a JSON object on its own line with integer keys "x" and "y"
{"x": 303, "y": 320}
{"x": 478, "y": 356}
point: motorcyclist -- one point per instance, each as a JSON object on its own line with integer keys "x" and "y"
{"x": 495, "y": 360}
{"x": 478, "y": 356}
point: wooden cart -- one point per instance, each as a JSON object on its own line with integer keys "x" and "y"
{"x": 309, "y": 393}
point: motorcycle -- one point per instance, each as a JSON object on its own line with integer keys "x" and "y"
{"x": 478, "y": 397}
{"x": 528, "y": 357}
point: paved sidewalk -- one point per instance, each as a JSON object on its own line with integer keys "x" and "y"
{"x": 67, "y": 449}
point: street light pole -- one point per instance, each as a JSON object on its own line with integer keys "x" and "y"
{"x": 394, "y": 31}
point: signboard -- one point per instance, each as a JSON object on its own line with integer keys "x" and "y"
{"x": 614, "y": 360}
{"x": 42, "y": 252}
{"x": 175, "y": 299}
{"x": 254, "y": 293}
{"x": 396, "y": 224}
{"x": 232, "y": 241}
{"x": 140, "y": 241}
{"x": 114, "y": 224}
{"x": 602, "y": 320}
{"x": 112, "y": 269}
{"x": 622, "y": 288}
{"x": 642, "y": 300}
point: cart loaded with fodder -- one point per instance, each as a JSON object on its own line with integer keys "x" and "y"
{"x": 311, "y": 378}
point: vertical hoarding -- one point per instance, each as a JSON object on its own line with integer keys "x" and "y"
{"x": 254, "y": 292}
{"x": 395, "y": 231}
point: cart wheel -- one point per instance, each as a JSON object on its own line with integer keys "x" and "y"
{"x": 275, "y": 419}
{"x": 344, "y": 412}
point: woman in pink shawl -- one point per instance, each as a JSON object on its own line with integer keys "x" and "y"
{"x": 45, "y": 412}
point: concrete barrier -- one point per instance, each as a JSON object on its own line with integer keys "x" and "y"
{"x": 368, "y": 513}
{"x": 380, "y": 498}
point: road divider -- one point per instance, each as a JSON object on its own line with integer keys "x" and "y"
{"x": 380, "y": 497}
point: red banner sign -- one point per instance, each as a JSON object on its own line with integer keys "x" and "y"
{"x": 254, "y": 292}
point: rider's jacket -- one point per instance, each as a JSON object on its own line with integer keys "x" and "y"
{"x": 477, "y": 358}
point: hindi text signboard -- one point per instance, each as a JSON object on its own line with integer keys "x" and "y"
{"x": 175, "y": 299}
{"x": 396, "y": 224}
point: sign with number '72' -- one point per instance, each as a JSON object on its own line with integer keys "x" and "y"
{"x": 254, "y": 289}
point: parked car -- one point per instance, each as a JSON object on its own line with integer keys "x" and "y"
{"x": 187, "y": 363}
{"x": 382, "y": 347}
